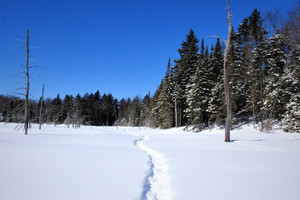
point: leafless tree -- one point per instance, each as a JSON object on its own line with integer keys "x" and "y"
{"x": 26, "y": 87}
{"x": 26, "y": 114}
{"x": 226, "y": 82}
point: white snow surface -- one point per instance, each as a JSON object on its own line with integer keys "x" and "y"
{"x": 129, "y": 163}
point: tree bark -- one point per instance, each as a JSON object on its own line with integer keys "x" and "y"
{"x": 226, "y": 82}
{"x": 26, "y": 126}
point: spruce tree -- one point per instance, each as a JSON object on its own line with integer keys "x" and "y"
{"x": 67, "y": 109}
{"x": 291, "y": 119}
{"x": 184, "y": 69}
{"x": 275, "y": 89}
{"x": 256, "y": 71}
{"x": 198, "y": 91}
{"x": 165, "y": 100}
{"x": 154, "y": 119}
{"x": 57, "y": 110}
{"x": 235, "y": 73}
{"x": 216, "y": 104}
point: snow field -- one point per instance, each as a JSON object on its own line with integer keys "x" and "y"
{"x": 68, "y": 164}
{"x": 147, "y": 164}
{"x": 255, "y": 166}
{"x": 156, "y": 186}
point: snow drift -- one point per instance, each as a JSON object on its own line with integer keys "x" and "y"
{"x": 132, "y": 163}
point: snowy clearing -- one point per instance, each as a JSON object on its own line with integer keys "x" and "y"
{"x": 139, "y": 164}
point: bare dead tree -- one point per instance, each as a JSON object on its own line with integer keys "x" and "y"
{"x": 226, "y": 82}
{"x": 26, "y": 114}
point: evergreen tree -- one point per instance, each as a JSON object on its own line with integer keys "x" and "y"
{"x": 165, "y": 101}
{"x": 291, "y": 119}
{"x": 155, "y": 105}
{"x": 184, "y": 69}
{"x": 235, "y": 73}
{"x": 57, "y": 110}
{"x": 97, "y": 108}
{"x": 199, "y": 91}
{"x": 274, "y": 102}
{"x": 90, "y": 109}
{"x": 122, "y": 118}
{"x": 256, "y": 70}
{"x": 108, "y": 110}
{"x": 145, "y": 109}
{"x": 216, "y": 104}
{"x": 135, "y": 112}
{"x": 67, "y": 109}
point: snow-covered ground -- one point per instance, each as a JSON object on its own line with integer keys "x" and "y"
{"x": 147, "y": 164}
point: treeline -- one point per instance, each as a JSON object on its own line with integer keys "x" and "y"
{"x": 264, "y": 78}
{"x": 90, "y": 109}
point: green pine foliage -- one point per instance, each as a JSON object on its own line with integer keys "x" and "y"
{"x": 262, "y": 83}
{"x": 275, "y": 91}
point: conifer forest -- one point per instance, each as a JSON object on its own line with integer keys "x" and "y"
{"x": 264, "y": 80}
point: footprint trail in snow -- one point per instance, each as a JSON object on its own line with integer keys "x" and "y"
{"x": 156, "y": 186}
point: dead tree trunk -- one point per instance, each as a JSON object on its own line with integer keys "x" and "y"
{"x": 41, "y": 108}
{"x": 226, "y": 82}
{"x": 176, "y": 114}
{"x": 26, "y": 126}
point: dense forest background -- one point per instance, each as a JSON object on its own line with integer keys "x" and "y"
{"x": 264, "y": 84}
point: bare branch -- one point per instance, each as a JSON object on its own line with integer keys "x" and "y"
{"x": 18, "y": 39}
{"x": 216, "y": 36}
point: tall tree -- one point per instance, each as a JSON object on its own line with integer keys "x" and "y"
{"x": 256, "y": 71}
{"x": 216, "y": 102}
{"x": 165, "y": 99}
{"x": 26, "y": 114}
{"x": 226, "y": 82}
{"x": 236, "y": 77}
{"x": 291, "y": 117}
{"x": 274, "y": 102}
{"x": 57, "y": 110}
{"x": 198, "y": 91}
{"x": 184, "y": 69}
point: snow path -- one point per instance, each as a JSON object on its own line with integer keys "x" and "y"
{"x": 156, "y": 185}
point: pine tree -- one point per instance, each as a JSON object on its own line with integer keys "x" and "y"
{"x": 256, "y": 70}
{"x": 243, "y": 49}
{"x": 275, "y": 90}
{"x": 165, "y": 101}
{"x": 67, "y": 109}
{"x": 216, "y": 104}
{"x": 108, "y": 110}
{"x": 195, "y": 101}
{"x": 237, "y": 86}
{"x": 291, "y": 119}
{"x": 184, "y": 69}
{"x": 153, "y": 119}
{"x": 57, "y": 110}
{"x": 145, "y": 109}
{"x": 198, "y": 91}
{"x": 135, "y": 112}
{"x": 122, "y": 121}
{"x": 97, "y": 108}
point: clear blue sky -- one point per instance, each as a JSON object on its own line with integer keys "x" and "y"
{"x": 120, "y": 47}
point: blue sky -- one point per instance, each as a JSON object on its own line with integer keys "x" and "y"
{"x": 120, "y": 47}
